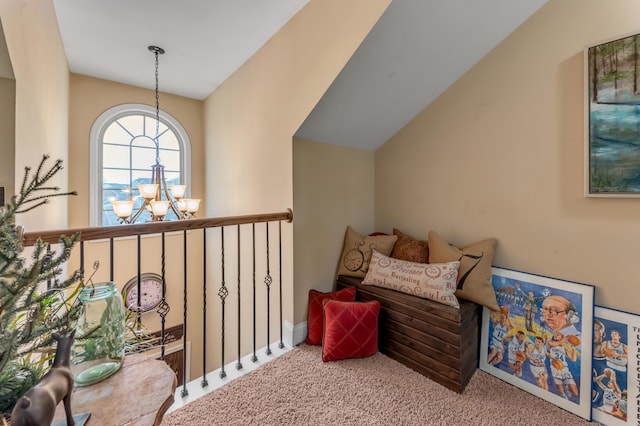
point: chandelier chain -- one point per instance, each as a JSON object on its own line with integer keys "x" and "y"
{"x": 157, "y": 112}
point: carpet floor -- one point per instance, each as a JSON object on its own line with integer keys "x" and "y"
{"x": 299, "y": 389}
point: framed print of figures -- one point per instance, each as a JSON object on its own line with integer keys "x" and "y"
{"x": 541, "y": 338}
{"x": 612, "y": 122}
{"x": 616, "y": 367}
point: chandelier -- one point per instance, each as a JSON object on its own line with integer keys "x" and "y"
{"x": 158, "y": 197}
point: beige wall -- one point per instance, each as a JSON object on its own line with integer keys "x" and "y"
{"x": 42, "y": 98}
{"x": 90, "y": 97}
{"x": 7, "y": 135}
{"x": 332, "y": 188}
{"x": 500, "y": 154}
{"x": 252, "y": 117}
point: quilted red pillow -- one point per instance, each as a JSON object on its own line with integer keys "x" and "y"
{"x": 314, "y": 317}
{"x": 350, "y": 329}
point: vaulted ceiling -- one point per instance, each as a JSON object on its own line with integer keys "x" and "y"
{"x": 416, "y": 50}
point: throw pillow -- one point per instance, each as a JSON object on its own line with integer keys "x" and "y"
{"x": 356, "y": 251}
{"x": 314, "y": 316}
{"x": 435, "y": 281}
{"x": 410, "y": 249}
{"x": 350, "y": 329}
{"x": 474, "y": 275}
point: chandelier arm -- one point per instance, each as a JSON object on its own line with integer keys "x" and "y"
{"x": 142, "y": 208}
{"x": 172, "y": 204}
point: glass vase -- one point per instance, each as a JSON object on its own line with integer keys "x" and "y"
{"x": 98, "y": 350}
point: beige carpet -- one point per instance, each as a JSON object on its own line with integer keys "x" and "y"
{"x": 299, "y": 389}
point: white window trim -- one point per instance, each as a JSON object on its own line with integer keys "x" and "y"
{"x": 95, "y": 154}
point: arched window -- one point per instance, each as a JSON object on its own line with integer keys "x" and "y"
{"x": 123, "y": 151}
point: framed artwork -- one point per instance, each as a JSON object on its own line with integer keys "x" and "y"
{"x": 616, "y": 382}
{"x": 541, "y": 338}
{"x": 612, "y": 122}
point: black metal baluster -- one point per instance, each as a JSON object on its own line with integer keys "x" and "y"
{"x": 184, "y": 392}
{"x": 111, "y": 275}
{"x": 204, "y": 383}
{"x": 45, "y": 263}
{"x": 139, "y": 274}
{"x": 239, "y": 364}
{"x": 82, "y": 260}
{"x": 163, "y": 307}
{"x": 281, "y": 345}
{"x": 268, "y": 280}
{"x": 254, "y": 358}
{"x": 222, "y": 293}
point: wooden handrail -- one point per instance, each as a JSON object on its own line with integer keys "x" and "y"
{"x": 106, "y": 232}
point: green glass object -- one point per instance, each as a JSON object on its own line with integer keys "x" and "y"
{"x": 98, "y": 351}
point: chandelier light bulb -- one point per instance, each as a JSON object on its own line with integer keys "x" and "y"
{"x": 122, "y": 209}
{"x": 178, "y": 191}
{"x": 192, "y": 204}
{"x": 148, "y": 190}
{"x": 159, "y": 208}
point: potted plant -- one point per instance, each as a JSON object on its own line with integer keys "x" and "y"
{"x": 34, "y": 300}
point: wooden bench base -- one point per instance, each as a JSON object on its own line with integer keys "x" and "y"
{"x": 436, "y": 340}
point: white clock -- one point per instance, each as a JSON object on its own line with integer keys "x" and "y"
{"x": 150, "y": 292}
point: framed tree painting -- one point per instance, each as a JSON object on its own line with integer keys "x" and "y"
{"x": 616, "y": 382}
{"x": 541, "y": 338}
{"x": 612, "y": 122}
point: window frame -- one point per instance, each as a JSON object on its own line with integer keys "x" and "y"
{"x": 98, "y": 129}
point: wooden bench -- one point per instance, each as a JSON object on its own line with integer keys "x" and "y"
{"x": 436, "y": 340}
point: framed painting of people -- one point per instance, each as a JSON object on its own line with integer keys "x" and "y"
{"x": 616, "y": 382}
{"x": 541, "y": 338}
{"x": 612, "y": 122}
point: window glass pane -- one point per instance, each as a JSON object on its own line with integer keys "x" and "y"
{"x": 133, "y": 123}
{"x": 172, "y": 178}
{"x": 115, "y": 156}
{"x": 143, "y": 141}
{"x": 143, "y": 158}
{"x": 150, "y": 127}
{"x": 141, "y": 176}
{"x": 115, "y": 134}
{"x": 168, "y": 140}
{"x": 115, "y": 177}
{"x": 170, "y": 160}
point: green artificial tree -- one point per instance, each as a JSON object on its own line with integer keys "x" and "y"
{"x": 34, "y": 300}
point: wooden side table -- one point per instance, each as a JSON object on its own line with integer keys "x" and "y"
{"x": 139, "y": 394}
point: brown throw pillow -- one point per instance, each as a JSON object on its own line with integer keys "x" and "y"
{"x": 356, "y": 252}
{"x": 474, "y": 275}
{"x": 410, "y": 249}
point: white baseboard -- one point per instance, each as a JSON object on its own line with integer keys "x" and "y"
{"x": 294, "y": 335}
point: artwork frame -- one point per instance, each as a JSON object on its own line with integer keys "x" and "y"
{"x": 608, "y": 409}
{"x": 612, "y": 165}
{"x": 540, "y": 313}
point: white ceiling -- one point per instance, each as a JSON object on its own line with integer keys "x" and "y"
{"x": 205, "y": 40}
{"x": 416, "y": 50}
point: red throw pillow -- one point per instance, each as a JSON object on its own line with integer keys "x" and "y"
{"x": 350, "y": 329}
{"x": 314, "y": 317}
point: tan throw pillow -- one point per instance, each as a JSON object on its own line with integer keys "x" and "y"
{"x": 410, "y": 249}
{"x": 435, "y": 281}
{"x": 356, "y": 252}
{"x": 474, "y": 275}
